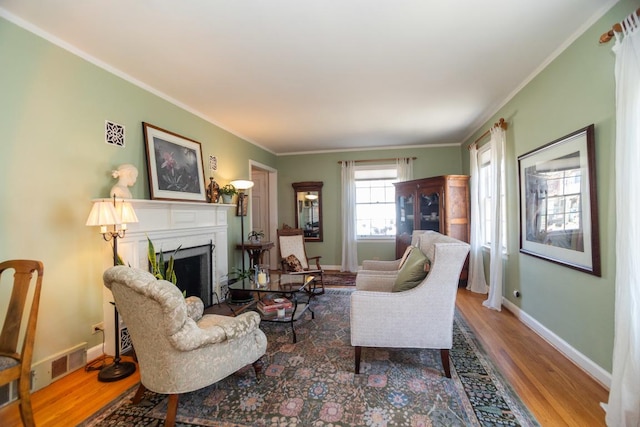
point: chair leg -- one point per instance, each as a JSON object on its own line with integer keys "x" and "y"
{"x": 26, "y": 411}
{"x": 257, "y": 368}
{"x": 358, "y": 352}
{"x": 321, "y": 285}
{"x": 444, "y": 355}
{"x": 172, "y": 410}
{"x": 137, "y": 398}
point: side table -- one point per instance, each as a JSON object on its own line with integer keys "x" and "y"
{"x": 256, "y": 251}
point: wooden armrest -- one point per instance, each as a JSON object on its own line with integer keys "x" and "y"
{"x": 317, "y": 258}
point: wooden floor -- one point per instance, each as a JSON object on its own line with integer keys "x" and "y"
{"x": 555, "y": 390}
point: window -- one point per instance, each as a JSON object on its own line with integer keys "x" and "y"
{"x": 375, "y": 201}
{"x": 485, "y": 197}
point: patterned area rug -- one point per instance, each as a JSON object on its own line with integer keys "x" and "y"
{"x": 337, "y": 278}
{"x": 312, "y": 383}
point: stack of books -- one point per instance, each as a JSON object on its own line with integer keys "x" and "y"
{"x": 269, "y": 306}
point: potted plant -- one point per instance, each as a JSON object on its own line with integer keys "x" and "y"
{"x": 157, "y": 265}
{"x": 227, "y": 192}
{"x": 255, "y": 236}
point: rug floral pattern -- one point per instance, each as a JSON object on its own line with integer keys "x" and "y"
{"x": 311, "y": 383}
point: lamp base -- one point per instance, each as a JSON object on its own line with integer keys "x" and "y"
{"x": 116, "y": 371}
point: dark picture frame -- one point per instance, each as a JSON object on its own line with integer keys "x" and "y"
{"x": 174, "y": 164}
{"x": 558, "y": 202}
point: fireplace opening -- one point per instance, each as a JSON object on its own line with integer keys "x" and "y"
{"x": 194, "y": 271}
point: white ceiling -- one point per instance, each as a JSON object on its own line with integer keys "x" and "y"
{"x": 315, "y": 75}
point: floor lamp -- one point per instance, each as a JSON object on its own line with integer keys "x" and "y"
{"x": 114, "y": 215}
{"x": 242, "y": 185}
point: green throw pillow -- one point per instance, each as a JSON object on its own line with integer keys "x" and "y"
{"x": 412, "y": 272}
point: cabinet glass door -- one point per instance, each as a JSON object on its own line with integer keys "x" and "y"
{"x": 405, "y": 214}
{"x": 430, "y": 210}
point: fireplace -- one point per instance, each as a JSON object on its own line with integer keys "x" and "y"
{"x": 193, "y": 271}
{"x": 199, "y": 229}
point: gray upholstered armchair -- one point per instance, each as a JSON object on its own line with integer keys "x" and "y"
{"x": 421, "y": 317}
{"x": 178, "y": 348}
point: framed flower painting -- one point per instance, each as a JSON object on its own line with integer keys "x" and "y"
{"x": 175, "y": 166}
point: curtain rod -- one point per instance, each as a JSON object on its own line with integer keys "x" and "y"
{"x": 604, "y": 38}
{"x": 377, "y": 160}
{"x": 501, "y": 123}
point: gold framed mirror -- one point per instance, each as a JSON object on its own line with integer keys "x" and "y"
{"x": 308, "y": 209}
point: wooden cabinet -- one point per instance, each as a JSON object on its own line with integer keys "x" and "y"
{"x": 440, "y": 203}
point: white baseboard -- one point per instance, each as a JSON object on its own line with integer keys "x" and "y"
{"x": 94, "y": 352}
{"x": 582, "y": 361}
{"x": 331, "y": 267}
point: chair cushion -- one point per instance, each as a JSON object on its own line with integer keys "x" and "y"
{"x": 412, "y": 272}
{"x": 293, "y": 263}
{"x": 7, "y": 362}
{"x": 405, "y": 255}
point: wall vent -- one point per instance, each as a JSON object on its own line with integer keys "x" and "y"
{"x": 114, "y": 134}
{"x": 58, "y": 365}
{"x": 125, "y": 340}
{"x": 68, "y": 363}
{"x": 8, "y": 393}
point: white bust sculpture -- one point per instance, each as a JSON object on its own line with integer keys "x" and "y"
{"x": 127, "y": 175}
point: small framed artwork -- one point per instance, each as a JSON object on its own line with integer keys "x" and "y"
{"x": 175, "y": 166}
{"x": 558, "y": 202}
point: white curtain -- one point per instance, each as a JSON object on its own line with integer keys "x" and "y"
{"x": 349, "y": 243}
{"x": 405, "y": 169}
{"x": 477, "y": 282}
{"x": 494, "y": 301}
{"x": 623, "y": 409}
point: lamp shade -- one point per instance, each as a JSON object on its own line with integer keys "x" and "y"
{"x": 103, "y": 213}
{"x": 310, "y": 196}
{"x": 126, "y": 212}
{"x": 242, "y": 184}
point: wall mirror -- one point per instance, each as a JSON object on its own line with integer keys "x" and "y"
{"x": 308, "y": 209}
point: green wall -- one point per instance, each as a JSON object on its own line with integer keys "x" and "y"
{"x": 325, "y": 167}
{"x": 53, "y": 107}
{"x": 573, "y": 91}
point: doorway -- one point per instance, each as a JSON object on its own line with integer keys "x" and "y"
{"x": 264, "y": 205}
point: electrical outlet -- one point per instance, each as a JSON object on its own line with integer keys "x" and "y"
{"x": 97, "y": 328}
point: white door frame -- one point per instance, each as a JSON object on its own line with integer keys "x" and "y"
{"x": 273, "y": 207}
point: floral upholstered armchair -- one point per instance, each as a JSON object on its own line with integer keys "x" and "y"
{"x": 178, "y": 348}
{"x": 415, "y": 308}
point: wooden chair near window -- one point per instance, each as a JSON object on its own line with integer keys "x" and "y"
{"x": 16, "y": 355}
{"x": 294, "y": 259}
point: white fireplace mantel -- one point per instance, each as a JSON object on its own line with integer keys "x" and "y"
{"x": 170, "y": 224}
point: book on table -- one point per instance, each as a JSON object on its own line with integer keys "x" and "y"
{"x": 272, "y": 305}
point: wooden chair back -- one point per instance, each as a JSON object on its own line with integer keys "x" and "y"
{"x": 291, "y": 241}
{"x": 15, "y": 357}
